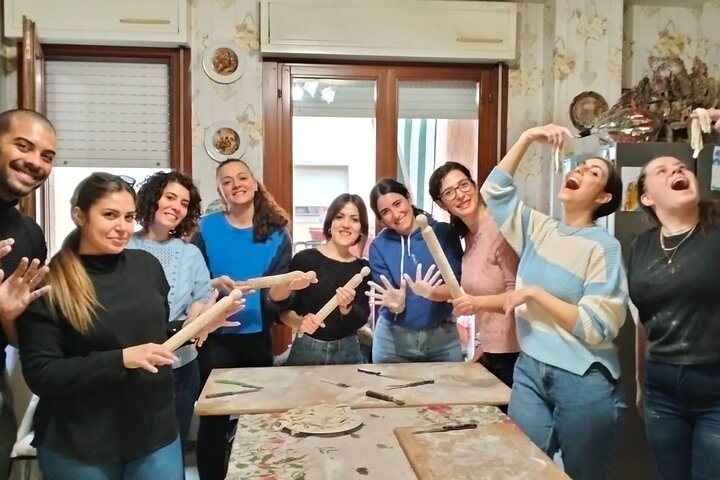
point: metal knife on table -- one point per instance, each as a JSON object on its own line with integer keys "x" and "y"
{"x": 447, "y": 428}
{"x": 380, "y": 374}
{"x": 235, "y": 392}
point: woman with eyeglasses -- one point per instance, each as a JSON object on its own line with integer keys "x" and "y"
{"x": 672, "y": 274}
{"x": 168, "y": 207}
{"x": 489, "y": 267}
{"x": 570, "y": 301}
{"x": 248, "y": 239}
{"x": 92, "y": 351}
{"x": 415, "y": 322}
{"x": 334, "y": 340}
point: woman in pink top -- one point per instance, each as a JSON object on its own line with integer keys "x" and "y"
{"x": 489, "y": 266}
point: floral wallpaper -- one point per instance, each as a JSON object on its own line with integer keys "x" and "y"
{"x": 237, "y": 22}
{"x": 670, "y": 31}
{"x": 566, "y": 47}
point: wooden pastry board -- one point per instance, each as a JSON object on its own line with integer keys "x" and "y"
{"x": 495, "y": 451}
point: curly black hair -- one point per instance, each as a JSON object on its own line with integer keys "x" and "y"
{"x": 269, "y": 217}
{"x": 152, "y": 189}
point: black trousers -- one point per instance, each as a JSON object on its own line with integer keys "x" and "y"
{"x": 214, "y": 433}
{"x": 502, "y": 365}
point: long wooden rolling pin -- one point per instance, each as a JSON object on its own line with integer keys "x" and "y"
{"x": 191, "y": 330}
{"x": 273, "y": 280}
{"x": 438, "y": 255}
{"x": 332, "y": 304}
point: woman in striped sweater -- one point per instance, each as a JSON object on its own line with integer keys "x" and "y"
{"x": 570, "y": 302}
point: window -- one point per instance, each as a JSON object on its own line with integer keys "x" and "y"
{"x": 118, "y": 109}
{"x": 377, "y": 121}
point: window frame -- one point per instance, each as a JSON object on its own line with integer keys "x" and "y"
{"x": 277, "y": 112}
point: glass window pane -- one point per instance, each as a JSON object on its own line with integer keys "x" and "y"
{"x": 437, "y": 123}
{"x": 333, "y": 149}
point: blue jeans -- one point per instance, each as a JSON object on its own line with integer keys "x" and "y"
{"x": 393, "y": 343}
{"x": 165, "y": 463}
{"x": 579, "y": 415}
{"x": 187, "y": 389}
{"x": 682, "y": 419}
{"x": 307, "y": 350}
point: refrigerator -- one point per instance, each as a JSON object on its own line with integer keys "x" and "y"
{"x": 632, "y": 458}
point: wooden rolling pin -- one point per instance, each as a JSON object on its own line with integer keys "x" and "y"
{"x": 332, "y": 304}
{"x": 191, "y": 330}
{"x": 352, "y": 284}
{"x": 273, "y": 280}
{"x": 438, "y": 255}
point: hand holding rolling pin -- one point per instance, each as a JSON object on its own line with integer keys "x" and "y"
{"x": 424, "y": 286}
{"x": 221, "y": 320}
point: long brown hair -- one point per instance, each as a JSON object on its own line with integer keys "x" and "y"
{"x": 268, "y": 216}
{"x": 73, "y": 293}
{"x": 709, "y": 210}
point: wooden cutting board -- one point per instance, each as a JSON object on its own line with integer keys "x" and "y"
{"x": 494, "y": 451}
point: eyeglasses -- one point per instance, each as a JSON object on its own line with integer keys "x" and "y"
{"x": 111, "y": 177}
{"x": 465, "y": 186}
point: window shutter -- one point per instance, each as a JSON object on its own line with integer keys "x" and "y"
{"x": 109, "y": 114}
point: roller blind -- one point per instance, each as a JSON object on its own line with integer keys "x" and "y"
{"x": 109, "y": 113}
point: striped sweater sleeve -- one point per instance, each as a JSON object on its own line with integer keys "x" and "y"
{"x": 603, "y": 307}
{"x": 510, "y": 214}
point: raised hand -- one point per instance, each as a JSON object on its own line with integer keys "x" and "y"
{"x": 714, "y": 116}
{"x": 20, "y": 288}
{"x": 424, "y": 286}
{"x": 147, "y": 356}
{"x": 551, "y": 134}
{"x": 387, "y": 295}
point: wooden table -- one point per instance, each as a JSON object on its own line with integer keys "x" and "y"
{"x": 373, "y": 451}
{"x": 287, "y": 387}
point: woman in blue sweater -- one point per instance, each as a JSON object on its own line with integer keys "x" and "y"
{"x": 168, "y": 208}
{"x": 248, "y": 239}
{"x": 415, "y": 322}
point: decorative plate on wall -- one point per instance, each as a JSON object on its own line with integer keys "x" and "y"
{"x": 586, "y": 108}
{"x": 225, "y": 140}
{"x": 224, "y": 62}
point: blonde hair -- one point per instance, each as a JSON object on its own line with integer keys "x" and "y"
{"x": 73, "y": 292}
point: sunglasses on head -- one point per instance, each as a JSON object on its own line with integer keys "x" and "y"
{"x": 111, "y": 177}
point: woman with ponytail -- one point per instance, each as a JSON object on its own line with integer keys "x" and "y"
{"x": 92, "y": 350}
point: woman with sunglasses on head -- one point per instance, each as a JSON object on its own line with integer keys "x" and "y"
{"x": 168, "y": 207}
{"x": 92, "y": 351}
{"x": 415, "y": 322}
{"x": 489, "y": 267}
{"x": 570, "y": 302}
{"x": 673, "y": 283}
{"x": 334, "y": 339}
{"x": 248, "y": 239}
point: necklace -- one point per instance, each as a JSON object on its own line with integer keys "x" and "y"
{"x": 670, "y": 252}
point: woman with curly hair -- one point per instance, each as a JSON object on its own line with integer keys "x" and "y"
{"x": 249, "y": 239}
{"x": 168, "y": 207}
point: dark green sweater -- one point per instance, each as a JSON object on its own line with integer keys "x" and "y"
{"x": 91, "y": 407}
